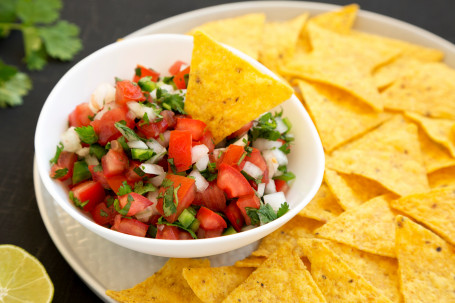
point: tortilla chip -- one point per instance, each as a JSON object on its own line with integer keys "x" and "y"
{"x": 214, "y": 284}
{"x": 381, "y": 272}
{"x": 227, "y": 31}
{"x": 439, "y": 130}
{"x": 435, "y": 156}
{"x": 296, "y": 228}
{"x": 352, "y": 190}
{"x": 442, "y": 178}
{"x": 428, "y": 89}
{"x": 339, "y": 21}
{"x": 282, "y": 278}
{"x": 369, "y": 227}
{"x": 339, "y": 117}
{"x": 386, "y": 74}
{"x": 390, "y": 155}
{"x": 323, "y": 207}
{"x": 166, "y": 285}
{"x": 225, "y": 91}
{"x": 426, "y": 264}
{"x": 435, "y": 209}
{"x": 279, "y": 41}
{"x": 336, "y": 279}
{"x": 250, "y": 261}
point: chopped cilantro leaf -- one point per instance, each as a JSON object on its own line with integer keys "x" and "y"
{"x": 241, "y": 158}
{"x": 169, "y": 207}
{"x": 253, "y": 214}
{"x": 87, "y": 134}
{"x": 13, "y": 85}
{"x": 171, "y": 163}
{"x": 265, "y": 213}
{"x": 287, "y": 176}
{"x": 145, "y": 120}
{"x": 57, "y": 153}
{"x": 249, "y": 178}
{"x": 60, "y": 173}
{"x": 161, "y": 220}
{"x": 76, "y": 201}
{"x": 210, "y": 172}
{"x": 138, "y": 71}
{"x": 139, "y": 171}
{"x": 168, "y": 80}
{"x": 122, "y": 211}
{"x": 127, "y": 132}
{"x": 110, "y": 201}
{"x": 98, "y": 168}
{"x": 103, "y": 213}
{"x": 124, "y": 189}
{"x": 169, "y": 101}
{"x": 141, "y": 188}
{"x": 265, "y": 128}
{"x": 284, "y": 207}
{"x": 176, "y": 197}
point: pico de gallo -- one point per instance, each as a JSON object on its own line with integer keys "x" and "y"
{"x": 140, "y": 165}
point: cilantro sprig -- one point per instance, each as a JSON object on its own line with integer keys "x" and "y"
{"x": 161, "y": 220}
{"x": 87, "y": 134}
{"x": 170, "y": 101}
{"x": 265, "y": 213}
{"x": 13, "y": 85}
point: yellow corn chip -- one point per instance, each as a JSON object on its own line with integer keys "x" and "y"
{"x": 369, "y": 227}
{"x": 426, "y": 264}
{"x": 386, "y": 74}
{"x": 442, "y": 178}
{"x": 214, "y": 284}
{"x": 225, "y": 91}
{"x": 339, "y": 21}
{"x": 390, "y": 155}
{"x": 336, "y": 279}
{"x": 339, "y": 117}
{"x": 435, "y": 156}
{"x": 282, "y": 278}
{"x": 166, "y": 285}
{"x": 228, "y": 31}
{"x": 439, "y": 130}
{"x": 352, "y": 190}
{"x": 323, "y": 207}
{"x": 427, "y": 89}
{"x": 250, "y": 261}
{"x": 435, "y": 209}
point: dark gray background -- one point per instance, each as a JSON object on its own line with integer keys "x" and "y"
{"x": 101, "y": 23}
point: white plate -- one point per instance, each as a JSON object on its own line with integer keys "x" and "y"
{"x": 100, "y": 263}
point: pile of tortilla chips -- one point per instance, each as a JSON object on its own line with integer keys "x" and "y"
{"x": 382, "y": 226}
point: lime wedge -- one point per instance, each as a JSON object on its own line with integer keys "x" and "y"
{"x": 22, "y": 277}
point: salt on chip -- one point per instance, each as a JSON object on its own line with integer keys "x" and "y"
{"x": 225, "y": 91}
{"x": 166, "y": 285}
{"x": 323, "y": 207}
{"x": 339, "y": 116}
{"x": 335, "y": 278}
{"x": 426, "y": 264}
{"x": 228, "y": 31}
{"x": 339, "y": 21}
{"x": 390, "y": 155}
{"x": 282, "y": 278}
{"x": 352, "y": 190}
{"x": 213, "y": 284}
{"x": 442, "y": 178}
{"x": 250, "y": 261}
{"x": 435, "y": 209}
{"x": 369, "y": 227}
{"x": 435, "y": 156}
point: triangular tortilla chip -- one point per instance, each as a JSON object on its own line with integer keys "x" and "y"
{"x": 339, "y": 21}
{"x": 250, "y": 261}
{"x": 390, "y": 155}
{"x": 435, "y": 209}
{"x": 435, "y": 156}
{"x": 214, "y": 284}
{"x": 166, "y": 285}
{"x": 336, "y": 279}
{"x": 227, "y": 31}
{"x": 369, "y": 227}
{"x": 323, "y": 207}
{"x": 386, "y": 74}
{"x": 352, "y": 190}
{"x": 426, "y": 264}
{"x": 339, "y": 117}
{"x": 442, "y": 178}
{"x": 225, "y": 91}
{"x": 282, "y": 278}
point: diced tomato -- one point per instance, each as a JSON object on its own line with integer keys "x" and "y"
{"x": 185, "y": 195}
{"x": 105, "y": 128}
{"x": 130, "y": 226}
{"x": 232, "y": 155}
{"x": 175, "y": 68}
{"x": 126, "y": 91}
{"x": 205, "y": 234}
{"x": 232, "y": 182}
{"x": 248, "y": 201}
{"x": 207, "y": 140}
{"x": 184, "y": 235}
{"x": 241, "y": 131}
{"x": 234, "y": 216}
{"x": 90, "y": 191}
{"x": 66, "y": 160}
{"x": 80, "y": 115}
{"x": 195, "y": 127}
{"x": 116, "y": 182}
{"x": 213, "y": 197}
{"x": 138, "y": 203}
{"x": 115, "y": 162}
{"x": 209, "y": 219}
{"x": 142, "y": 71}
{"x": 281, "y": 185}
{"x": 98, "y": 176}
{"x": 180, "y": 144}
{"x": 167, "y": 232}
{"x": 131, "y": 174}
{"x": 179, "y": 78}
{"x": 256, "y": 158}
{"x": 103, "y": 215}
{"x": 152, "y": 129}
{"x": 170, "y": 117}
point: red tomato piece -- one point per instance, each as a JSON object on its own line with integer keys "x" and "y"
{"x": 184, "y": 235}
{"x": 103, "y": 215}
{"x": 232, "y": 155}
{"x": 90, "y": 191}
{"x": 116, "y": 182}
{"x": 234, "y": 216}
{"x": 256, "y": 158}
{"x": 170, "y": 117}
{"x": 130, "y": 226}
{"x": 185, "y": 195}
{"x": 195, "y": 127}
{"x": 131, "y": 175}
{"x": 105, "y": 127}
{"x": 241, "y": 131}
{"x": 180, "y": 144}
{"x": 138, "y": 203}
{"x": 207, "y": 140}
{"x": 115, "y": 162}
{"x": 179, "y": 78}
{"x": 98, "y": 176}
{"x": 152, "y": 129}
{"x": 281, "y": 185}
{"x": 126, "y": 91}
{"x": 65, "y": 160}
{"x": 213, "y": 197}
{"x": 175, "y": 68}
{"x": 142, "y": 71}
{"x": 205, "y": 234}
{"x": 248, "y": 201}
{"x": 167, "y": 232}
{"x": 80, "y": 115}
{"x": 209, "y": 219}
{"x": 232, "y": 182}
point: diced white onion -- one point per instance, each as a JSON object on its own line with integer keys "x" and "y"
{"x": 201, "y": 183}
{"x": 103, "y": 94}
{"x": 264, "y": 144}
{"x": 280, "y": 125}
{"x": 91, "y": 160}
{"x": 140, "y": 110}
{"x": 164, "y": 139}
{"x": 275, "y": 200}
{"x": 70, "y": 140}
{"x": 156, "y": 158}
{"x": 261, "y": 189}
{"x": 252, "y": 170}
{"x": 153, "y": 196}
{"x": 218, "y": 152}
{"x": 83, "y": 152}
{"x": 270, "y": 188}
{"x": 198, "y": 151}
{"x": 105, "y": 109}
{"x": 152, "y": 169}
{"x": 280, "y": 157}
{"x": 158, "y": 180}
{"x": 166, "y": 87}
{"x": 137, "y": 144}
{"x": 241, "y": 142}
{"x": 145, "y": 214}
{"x": 271, "y": 161}
{"x": 155, "y": 146}
{"x": 247, "y": 227}
{"x": 202, "y": 163}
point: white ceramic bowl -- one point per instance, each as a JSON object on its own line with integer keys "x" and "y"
{"x": 159, "y": 51}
